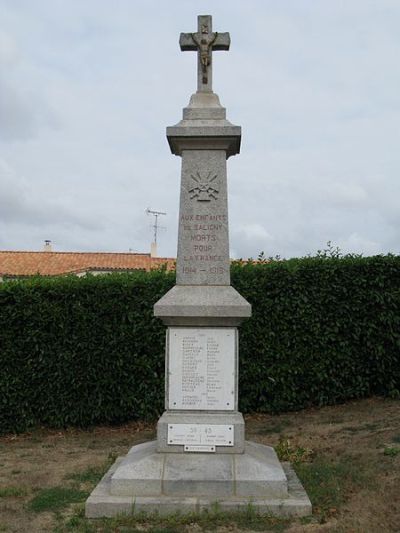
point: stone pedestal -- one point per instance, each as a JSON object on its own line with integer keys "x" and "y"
{"x": 200, "y": 456}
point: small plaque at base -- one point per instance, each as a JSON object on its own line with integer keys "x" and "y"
{"x": 204, "y": 449}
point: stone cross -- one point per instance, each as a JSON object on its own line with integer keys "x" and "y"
{"x": 204, "y": 42}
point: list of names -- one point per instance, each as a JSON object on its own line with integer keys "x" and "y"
{"x": 202, "y": 368}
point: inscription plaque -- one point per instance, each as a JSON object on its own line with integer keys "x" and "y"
{"x": 201, "y": 449}
{"x": 201, "y": 371}
{"x": 201, "y": 434}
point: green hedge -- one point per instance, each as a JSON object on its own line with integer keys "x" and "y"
{"x": 322, "y": 331}
{"x": 81, "y": 351}
{"x": 84, "y": 351}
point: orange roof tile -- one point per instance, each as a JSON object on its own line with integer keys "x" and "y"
{"x": 57, "y": 263}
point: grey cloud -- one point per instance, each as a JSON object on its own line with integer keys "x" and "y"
{"x": 17, "y": 120}
{"x": 19, "y": 206}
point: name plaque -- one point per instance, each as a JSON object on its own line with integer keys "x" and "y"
{"x": 191, "y": 435}
{"x": 200, "y": 449}
{"x": 201, "y": 368}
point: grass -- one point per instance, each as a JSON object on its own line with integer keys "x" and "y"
{"x": 362, "y": 427}
{"x": 91, "y": 475}
{"x": 322, "y": 483}
{"x": 248, "y": 519}
{"x": 294, "y": 454}
{"x": 328, "y": 483}
{"x": 391, "y": 451}
{"x": 350, "y": 476}
{"x": 56, "y": 498}
{"x": 161, "y": 530}
{"x": 334, "y": 420}
{"x": 277, "y": 427}
{"x": 12, "y": 492}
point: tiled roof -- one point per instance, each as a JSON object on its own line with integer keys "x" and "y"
{"x": 57, "y": 263}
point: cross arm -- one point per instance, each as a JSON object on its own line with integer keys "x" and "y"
{"x": 187, "y": 43}
{"x": 222, "y": 41}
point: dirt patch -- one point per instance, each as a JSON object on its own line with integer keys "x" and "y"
{"x": 358, "y": 431}
{"x": 347, "y": 440}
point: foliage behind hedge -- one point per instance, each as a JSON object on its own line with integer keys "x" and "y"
{"x": 83, "y": 351}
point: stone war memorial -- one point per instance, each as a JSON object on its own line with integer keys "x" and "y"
{"x": 201, "y": 456}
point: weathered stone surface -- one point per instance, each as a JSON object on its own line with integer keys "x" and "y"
{"x": 101, "y": 503}
{"x": 139, "y": 473}
{"x": 203, "y": 241}
{"x": 165, "y": 505}
{"x": 193, "y": 305}
{"x": 147, "y": 472}
{"x": 294, "y": 503}
{"x": 204, "y": 127}
{"x": 204, "y": 139}
{"x": 258, "y": 473}
{"x": 198, "y": 474}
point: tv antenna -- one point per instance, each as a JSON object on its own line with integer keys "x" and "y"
{"x": 155, "y": 226}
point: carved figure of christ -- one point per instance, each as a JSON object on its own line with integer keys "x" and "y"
{"x": 204, "y": 42}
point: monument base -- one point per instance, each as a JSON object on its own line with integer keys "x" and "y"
{"x": 149, "y": 481}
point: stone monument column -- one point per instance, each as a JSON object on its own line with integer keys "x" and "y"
{"x": 200, "y": 456}
{"x": 202, "y": 311}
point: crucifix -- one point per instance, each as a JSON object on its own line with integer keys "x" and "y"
{"x": 204, "y": 42}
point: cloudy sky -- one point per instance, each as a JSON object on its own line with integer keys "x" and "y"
{"x": 87, "y": 88}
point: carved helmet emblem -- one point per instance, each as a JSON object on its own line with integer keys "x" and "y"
{"x": 205, "y": 188}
